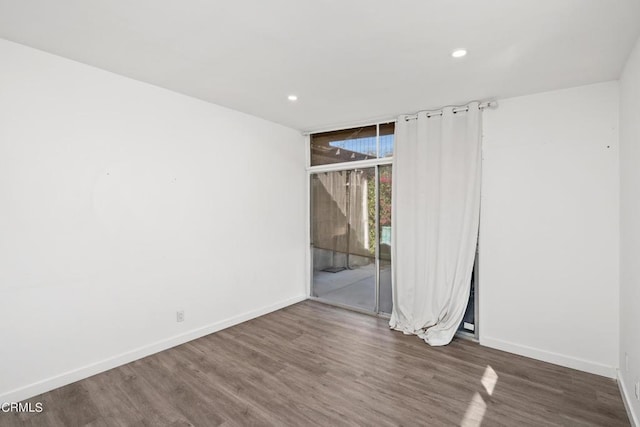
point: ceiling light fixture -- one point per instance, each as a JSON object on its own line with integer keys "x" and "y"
{"x": 458, "y": 53}
{"x": 292, "y": 98}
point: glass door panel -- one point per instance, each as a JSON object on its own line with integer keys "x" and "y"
{"x": 384, "y": 232}
{"x": 343, "y": 237}
{"x": 468, "y": 324}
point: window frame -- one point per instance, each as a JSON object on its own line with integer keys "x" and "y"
{"x": 348, "y": 165}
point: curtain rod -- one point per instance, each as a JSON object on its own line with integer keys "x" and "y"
{"x": 431, "y": 113}
{"x": 456, "y": 109}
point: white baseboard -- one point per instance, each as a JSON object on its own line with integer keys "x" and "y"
{"x": 633, "y": 417}
{"x": 69, "y": 377}
{"x": 547, "y": 356}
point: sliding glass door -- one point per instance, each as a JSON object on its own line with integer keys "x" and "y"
{"x": 351, "y": 188}
{"x": 351, "y": 237}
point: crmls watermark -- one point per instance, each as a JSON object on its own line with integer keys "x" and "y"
{"x": 22, "y": 407}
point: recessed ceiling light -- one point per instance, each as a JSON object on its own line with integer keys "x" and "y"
{"x": 292, "y": 98}
{"x": 458, "y": 53}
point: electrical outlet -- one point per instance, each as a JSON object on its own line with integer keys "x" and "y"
{"x": 637, "y": 390}
{"x": 180, "y": 316}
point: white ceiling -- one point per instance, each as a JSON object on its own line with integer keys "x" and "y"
{"x": 347, "y": 60}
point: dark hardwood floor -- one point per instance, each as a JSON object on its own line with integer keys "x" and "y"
{"x": 312, "y": 364}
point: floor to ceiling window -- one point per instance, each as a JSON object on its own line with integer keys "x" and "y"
{"x": 350, "y": 178}
{"x": 350, "y": 173}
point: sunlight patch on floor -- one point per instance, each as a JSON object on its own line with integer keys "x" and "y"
{"x": 475, "y": 412}
{"x": 489, "y": 379}
{"x": 478, "y": 407}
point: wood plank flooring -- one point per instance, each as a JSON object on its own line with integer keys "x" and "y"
{"x": 312, "y": 364}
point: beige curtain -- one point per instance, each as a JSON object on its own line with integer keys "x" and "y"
{"x": 436, "y": 210}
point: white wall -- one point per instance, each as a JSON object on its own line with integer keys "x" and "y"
{"x": 549, "y": 227}
{"x": 121, "y": 203}
{"x": 630, "y": 228}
